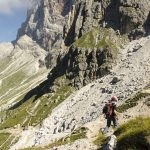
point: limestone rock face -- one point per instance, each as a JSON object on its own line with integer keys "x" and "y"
{"x": 89, "y": 58}
{"x": 8, "y": 49}
{"x": 86, "y": 65}
{"x": 44, "y": 24}
{"x": 134, "y": 17}
{"x": 129, "y": 17}
{"x": 82, "y": 18}
{"x": 57, "y": 24}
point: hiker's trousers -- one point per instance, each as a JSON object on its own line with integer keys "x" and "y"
{"x": 112, "y": 119}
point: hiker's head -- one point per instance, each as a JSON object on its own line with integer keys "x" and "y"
{"x": 114, "y": 99}
{"x": 109, "y": 101}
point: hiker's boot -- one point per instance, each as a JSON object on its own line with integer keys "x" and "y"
{"x": 106, "y": 129}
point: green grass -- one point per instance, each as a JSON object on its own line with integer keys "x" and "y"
{"x": 133, "y": 134}
{"x": 48, "y": 104}
{"x": 6, "y": 139}
{"x": 17, "y": 116}
{"x": 132, "y": 102}
{"x": 3, "y": 137}
{"x": 18, "y": 89}
{"x": 12, "y": 81}
{"x": 21, "y": 115}
{"x": 89, "y": 39}
{"x": 100, "y": 139}
{"x": 4, "y": 63}
{"x": 106, "y": 39}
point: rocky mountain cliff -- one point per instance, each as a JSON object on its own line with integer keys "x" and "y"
{"x": 94, "y": 49}
{"x": 45, "y": 23}
{"x": 129, "y": 17}
{"x": 51, "y": 21}
{"x": 54, "y": 24}
{"x": 57, "y": 25}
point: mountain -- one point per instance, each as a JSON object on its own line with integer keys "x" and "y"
{"x": 22, "y": 68}
{"x": 68, "y": 59}
{"x": 45, "y": 23}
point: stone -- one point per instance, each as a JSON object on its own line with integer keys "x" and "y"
{"x": 111, "y": 145}
{"x": 129, "y": 54}
{"x": 137, "y": 47}
{"x": 115, "y": 80}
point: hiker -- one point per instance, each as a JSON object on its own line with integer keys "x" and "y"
{"x": 110, "y": 113}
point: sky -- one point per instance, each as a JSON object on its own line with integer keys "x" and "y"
{"x": 12, "y": 15}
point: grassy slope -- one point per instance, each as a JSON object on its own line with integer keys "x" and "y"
{"x": 22, "y": 114}
{"x": 4, "y": 63}
{"x": 134, "y": 134}
{"x": 133, "y": 101}
{"x": 106, "y": 39}
{"x": 6, "y": 139}
{"x": 100, "y": 139}
{"x": 12, "y": 81}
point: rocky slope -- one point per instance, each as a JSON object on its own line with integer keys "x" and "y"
{"x": 85, "y": 105}
{"x": 85, "y": 43}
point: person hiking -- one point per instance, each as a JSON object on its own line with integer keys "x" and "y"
{"x": 110, "y": 113}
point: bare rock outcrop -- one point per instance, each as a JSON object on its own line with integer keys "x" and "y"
{"x": 129, "y": 17}
{"x": 44, "y": 24}
{"x": 57, "y": 24}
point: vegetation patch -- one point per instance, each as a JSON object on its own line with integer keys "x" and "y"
{"x": 100, "y": 139}
{"x": 101, "y": 38}
{"x": 3, "y": 137}
{"x": 47, "y": 104}
{"x": 132, "y": 102}
{"x": 17, "y": 116}
{"x": 106, "y": 42}
{"x": 4, "y": 63}
{"x": 6, "y": 140}
{"x": 29, "y": 113}
{"x": 134, "y": 134}
{"x": 12, "y": 81}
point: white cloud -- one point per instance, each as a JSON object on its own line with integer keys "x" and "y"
{"x": 9, "y": 6}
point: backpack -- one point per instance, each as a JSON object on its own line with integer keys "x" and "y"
{"x": 108, "y": 109}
